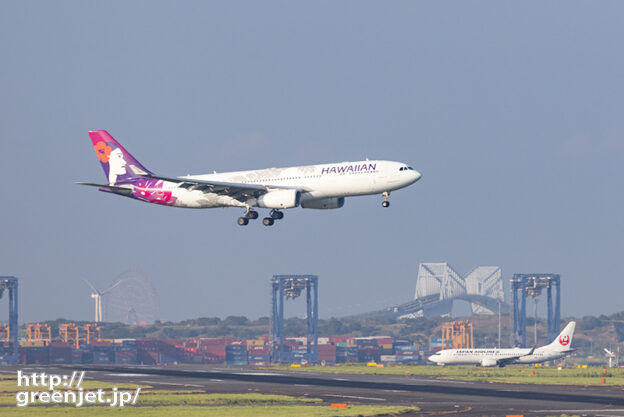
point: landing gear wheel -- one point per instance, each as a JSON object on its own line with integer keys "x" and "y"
{"x": 243, "y": 221}
{"x": 385, "y": 202}
{"x": 251, "y": 214}
{"x": 276, "y": 214}
{"x": 267, "y": 221}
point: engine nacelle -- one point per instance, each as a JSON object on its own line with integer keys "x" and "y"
{"x": 488, "y": 362}
{"x": 279, "y": 199}
{"x": 324, "y": 203}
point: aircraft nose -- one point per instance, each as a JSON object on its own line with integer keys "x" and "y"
{"x": 433, "y": 358}
{"x": 417, "y": 175}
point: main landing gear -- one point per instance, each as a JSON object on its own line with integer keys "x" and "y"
{"x": 249, "y": 215}
{"x": 267, "y": 221}
{"x": 385, "y": 202}
{"x": 274, "y": 215}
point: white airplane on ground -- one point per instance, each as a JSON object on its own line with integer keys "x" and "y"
{"x": 559, "y": 348}
{"x": 312, "y": 186}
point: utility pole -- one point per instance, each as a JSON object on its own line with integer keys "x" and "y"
{"x": 499, "y": 323}
{"x": 535, "y": 324}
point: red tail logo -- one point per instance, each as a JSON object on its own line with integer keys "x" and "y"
{"x": 564, "y": 340}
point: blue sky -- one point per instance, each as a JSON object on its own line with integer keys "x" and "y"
{"x": 512, "y": 112}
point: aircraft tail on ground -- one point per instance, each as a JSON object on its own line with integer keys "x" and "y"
{"x": 118, "y": 164}
{"x": 563, "y": 342}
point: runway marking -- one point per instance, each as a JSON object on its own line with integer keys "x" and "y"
{"x": 302, "y": 385}
{"x": 354, "y": 396}
{"x": 395, "y": 390}
{"x": 603, "y": 410}
{"x": 171, "y": 383}
{"x": 216, "y": 380}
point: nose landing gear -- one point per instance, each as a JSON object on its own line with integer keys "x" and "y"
{"x": 385, "y": 202}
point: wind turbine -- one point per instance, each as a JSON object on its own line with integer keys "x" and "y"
{"x": 97, "y": 295}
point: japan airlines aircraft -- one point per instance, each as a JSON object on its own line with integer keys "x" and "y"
{"x": 312, "y": 186}
{"x": 559, "y": 348}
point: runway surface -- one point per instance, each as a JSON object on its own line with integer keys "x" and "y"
{"x": 433, "y": 396}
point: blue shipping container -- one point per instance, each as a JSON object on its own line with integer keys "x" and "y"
{"x": 237, "y": 363}
{"x": 259, "y": 358}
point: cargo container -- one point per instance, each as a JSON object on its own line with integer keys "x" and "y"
{"x": 408, "y": 358}
{"x": 327, "y": 353}
{"x": 147, "y": 358}
{"x": 259, "y": 358}
{"x": 260, "y": 363}
{"x": 259, "y": 351}
{"x": 388, "y": 358}
{"x": 60, "y": 353}
{"x": 435, "y": 342}
{"x": 237, "y": 363}
{"x": 213, "y": 359}
{"x": 37, "y": 355}
{"x": 164, "y": 359}
{"x": 101, "y": 358}
{"x": 76, "y": 355}
{"x": 235, "y": 348}
{"x": 126, "y": 360}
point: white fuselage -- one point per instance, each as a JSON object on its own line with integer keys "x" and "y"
{"x": 489, "y": 357}
{"x": 314, "y": 181}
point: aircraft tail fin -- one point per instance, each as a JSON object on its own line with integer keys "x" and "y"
{"x": 563, "y": 342}
{"x": 118, "y": 164}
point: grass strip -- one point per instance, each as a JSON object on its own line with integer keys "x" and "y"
{"x": 220, "y": 411}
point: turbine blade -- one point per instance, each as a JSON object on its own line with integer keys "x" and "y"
{"x": 90, "y": 285}
{"x": 111, "y": 287}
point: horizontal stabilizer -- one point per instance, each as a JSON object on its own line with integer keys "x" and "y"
{"x": 112, "y": 188}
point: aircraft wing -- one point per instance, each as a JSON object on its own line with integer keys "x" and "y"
{"x": 506, "y": 361}
{"x": 235, "y": 190}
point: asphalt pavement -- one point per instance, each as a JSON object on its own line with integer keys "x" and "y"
{"x": 433, "y": 396}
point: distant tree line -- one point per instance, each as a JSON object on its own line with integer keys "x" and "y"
{"x": 241, "y": 326}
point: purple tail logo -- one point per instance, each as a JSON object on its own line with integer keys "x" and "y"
{"x": 119, "y": 166}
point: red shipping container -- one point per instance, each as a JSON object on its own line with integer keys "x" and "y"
{"x": 340, "y": 339}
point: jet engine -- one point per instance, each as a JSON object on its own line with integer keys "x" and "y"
{"x": 488, "y": 362}
{"x": 279, "y": 199}
{"x": 324, "y": 203}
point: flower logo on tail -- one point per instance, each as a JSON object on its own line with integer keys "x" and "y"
{"x": 103, "y": 151}
{"x": 564, "y": 340}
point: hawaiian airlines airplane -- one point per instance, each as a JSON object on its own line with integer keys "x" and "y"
{"x": 312, "y": 186}
{"x": 559, "y": 348}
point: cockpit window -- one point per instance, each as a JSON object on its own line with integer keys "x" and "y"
{"x": 405, "y": 168}
{"x": 410, "y": 168}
